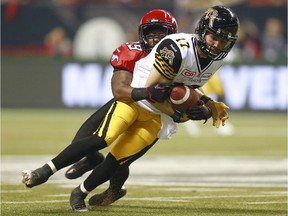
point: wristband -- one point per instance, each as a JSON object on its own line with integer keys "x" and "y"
{"x": 139, "y": 94}
{"x": 176, "y": 116}
{"x": 205, "y": 98}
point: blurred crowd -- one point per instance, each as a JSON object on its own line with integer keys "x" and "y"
{"x": 253, "y": 44}
{"x": 266, "y": 42}
{"x": 269, "y": 44}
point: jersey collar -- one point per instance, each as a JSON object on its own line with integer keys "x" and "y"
{"x": 205, "y": 65}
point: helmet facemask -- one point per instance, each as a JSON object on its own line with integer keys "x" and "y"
{"x": 207, "y": 48}
{"x": 145, "y": 30}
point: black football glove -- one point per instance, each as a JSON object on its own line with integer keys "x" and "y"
{"x": 159, "y": 92}
{"x": 199, "y": 112}
{"x": 218, "y": 109}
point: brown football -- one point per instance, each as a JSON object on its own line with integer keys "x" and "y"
{"x": 182, "y": 97}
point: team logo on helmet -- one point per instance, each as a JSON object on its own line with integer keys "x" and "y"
{"x": 167, "y": 55}
{"x": 154, "y": 20}
{"x": 211, "y": 14}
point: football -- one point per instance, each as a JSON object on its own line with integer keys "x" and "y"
{"x": 182, "y": 97}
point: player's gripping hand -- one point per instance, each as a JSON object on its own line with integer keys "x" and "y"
{"x": 219, "y": 112}
{"x": 158, "y": 93}
{"x": 218, "y": 109}
{"x": 199, "y": 112}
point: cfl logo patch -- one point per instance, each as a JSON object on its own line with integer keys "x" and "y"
{"x": 188, "y": 74}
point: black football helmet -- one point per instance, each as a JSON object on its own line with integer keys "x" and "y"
{"x": 156, "y": 19}
{"x": 222, "y": 22}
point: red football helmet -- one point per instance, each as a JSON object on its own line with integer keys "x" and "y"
{"x": 156, "y": 19}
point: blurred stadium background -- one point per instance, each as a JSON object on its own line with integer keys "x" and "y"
{"x": 55, "y": 53}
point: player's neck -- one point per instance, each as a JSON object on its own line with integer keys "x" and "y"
{"x": 200, "y": 54}
{"x": 203, "y": 60}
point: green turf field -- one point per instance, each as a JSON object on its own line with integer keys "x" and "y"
{"x": 151, "y": 200}
{"x": 34, "y": 132}
{"x": 256, "y": 136}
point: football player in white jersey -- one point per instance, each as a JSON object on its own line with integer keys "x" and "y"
{"x": 154, "y": 25}
{"x": 135, "y": 124}
{"x": 190, "y": 59}
{"x": 178, "y": 58}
